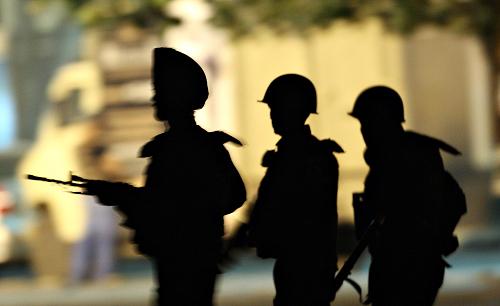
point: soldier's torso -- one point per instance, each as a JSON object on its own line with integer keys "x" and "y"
{"x": 182, "y": 193}
{"x": 296, "y": 201}
{"x": 404, "y": 184}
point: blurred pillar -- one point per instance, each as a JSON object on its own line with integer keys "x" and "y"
{"x": 211, "y": 48}
{"x": 39, "y": 39}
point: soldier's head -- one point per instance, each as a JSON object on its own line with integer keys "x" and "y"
{"x": 291, "y": 99}
{"x": 179, "y": 83}
{"x": 380, "y": 111}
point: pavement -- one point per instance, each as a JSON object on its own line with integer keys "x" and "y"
{"x": 473, "y": 281}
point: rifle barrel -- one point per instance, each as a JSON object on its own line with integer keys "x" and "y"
{"x": 44, "y": 179}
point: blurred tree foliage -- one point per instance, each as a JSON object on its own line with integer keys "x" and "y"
{"x": 243, "y": 16}
{"x": 150, "y": 14}
{"x": 480, "y": 17}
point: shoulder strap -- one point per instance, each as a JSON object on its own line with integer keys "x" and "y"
{"x": 435, "y": 142}
{"x": 222, "y": 138}
{"x": 359, "y": 291}
{"x": 151, "y": 146}
{"x": 331, "y": 146}
{"x": 268, "y": 158}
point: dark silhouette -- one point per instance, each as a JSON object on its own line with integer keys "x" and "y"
{"x": 363, "y": 241}
{"x": 191, "y": 182}
{"x": 420, "y": 203}
{"x": 295, "y": 215}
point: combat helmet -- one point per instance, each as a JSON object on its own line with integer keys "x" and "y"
{"x": 175, "y": 71}
{"x": 292, "y": 89}
{"x": 379, "y": 101}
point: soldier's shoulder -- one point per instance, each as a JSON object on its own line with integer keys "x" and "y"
{"x": 322, "y": 163}
{"x": 153, "y": 146}
{"x": 423, "y": 142}
{"x": 269, "y": 158}
{"x": 324, "y": 154}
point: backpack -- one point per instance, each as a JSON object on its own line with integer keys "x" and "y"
{"x": 454, "y": 206}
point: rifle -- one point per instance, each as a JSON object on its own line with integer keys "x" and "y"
{"x": 361, "y": 211}
{"x": 346, "y": 269}
{"x": 74, "y": 181}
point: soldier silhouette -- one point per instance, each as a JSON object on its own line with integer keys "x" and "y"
{"x": 191, "y": 183}
{"x": 294, "y": 219}
{"x": 408, "y": 186}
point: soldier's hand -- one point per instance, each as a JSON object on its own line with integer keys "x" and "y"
{"x": 108, "y": 193}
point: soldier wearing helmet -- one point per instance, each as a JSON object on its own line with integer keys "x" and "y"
{"x": 179, "y": 83}
{"x": 380, "y": 112}
{"x": 405, "y": 185}
{"x": 294, "y": 219}
{"x": 191, "y": 183}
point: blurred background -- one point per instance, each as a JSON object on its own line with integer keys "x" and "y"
{"x": 75, "y": 96}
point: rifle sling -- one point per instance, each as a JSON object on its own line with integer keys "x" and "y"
{"x": 358, "y": 290}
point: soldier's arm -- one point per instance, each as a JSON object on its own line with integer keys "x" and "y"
{"x": 125, "y": 198}
{"x": 323, "y": 176}
{"x": 114, "y": 193}
{"x": 234, "y": 193}
{"x": 232, "y": 189}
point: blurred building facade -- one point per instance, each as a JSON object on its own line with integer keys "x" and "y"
{"x": 442, "y": 77}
